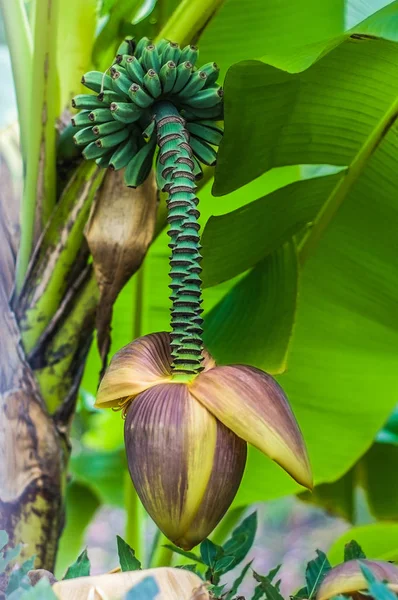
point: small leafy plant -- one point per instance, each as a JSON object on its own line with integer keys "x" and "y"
{"x": 210, "y": 564}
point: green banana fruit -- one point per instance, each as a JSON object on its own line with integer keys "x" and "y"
{"x": 122, "y": 156}
{"x": 206, "y": 98}
{"x": 109, "y": 141}
{"x": 107, "y": 128}
{"x": 190, "y": 54}
{"x": 96, "y": 81}
{"x": 135, "y": 70}
{"x": 194, "y": 85}
{"x": 150, "y": 58}
{"x": 167, "y": 76}
{"x": 84, "y": 136}
{"x": 86, "y": 101}
{"x": 152, "y": 83}
{"x": 203, "y": 151}
{"x": 140, "y": 165}
{"x": 125, "y": 112}
{"x": 212, "y": 71}
{"x": 184, "y": 72}
{"x": 100, "y": 115}
{"x": 139, "y": 96}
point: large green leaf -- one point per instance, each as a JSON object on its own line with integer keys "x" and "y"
{"x": 375, "y": 474}
{"x": 341, "y": 110}
{"x": 378, "y": 540}
{"x": 238, "y": 240}
{"x": 102, "y": 471}
{"x": 253, "y": 323}
{"x": 347, "y": 293}
{"x": 252, "y": 28}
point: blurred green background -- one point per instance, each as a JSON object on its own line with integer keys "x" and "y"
{"x": 329, "y": 332}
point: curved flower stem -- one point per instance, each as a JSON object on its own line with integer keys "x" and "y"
{"x": 176, "y": 164}
{"x": 135, "y": 513}
{"x": 162, "y": 556}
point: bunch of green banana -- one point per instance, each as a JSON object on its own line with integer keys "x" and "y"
{"x": 188, "y": 421}
{"x": 116, "y": 125}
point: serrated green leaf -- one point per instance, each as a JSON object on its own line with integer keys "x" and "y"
{"x": 190, "y": 555}
{"x": 271, "y": 591}
{"x": 300, "y": 594}
{"x": 80, "y": 568}
{"x": 216, "y": 590}
{"x": 274, "y": 572}
{"x": 377, "y": 589}
{"x": 353, "y": 550}
{"x": 241, "y": 540}
{"x": 147, "y": 589}
{"x": 238, "y": 582}
{"x": 127, "y": 558}
{"x": 18, "y": 577}
{"x": 258, "y": 593}
{"x": 224, "y": 564}
{"x": 209, "y": 552}
{"x": 315, "y": 572}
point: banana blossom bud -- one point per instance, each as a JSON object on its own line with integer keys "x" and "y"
{"x": 186, "y": 439}
{"x": 348, "y": 578}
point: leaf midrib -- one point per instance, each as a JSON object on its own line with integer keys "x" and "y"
{"x": 336, "y": 198}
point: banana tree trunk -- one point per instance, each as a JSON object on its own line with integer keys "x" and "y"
{"x": 32, "y": 454}
{"x": 32, "y": 448}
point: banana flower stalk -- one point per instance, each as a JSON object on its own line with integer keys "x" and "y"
{"x": 188, "y": 421}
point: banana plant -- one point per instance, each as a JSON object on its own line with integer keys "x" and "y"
{"x": 50, "y": 300}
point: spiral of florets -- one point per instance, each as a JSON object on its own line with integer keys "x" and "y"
{"x": 117, "y": 125}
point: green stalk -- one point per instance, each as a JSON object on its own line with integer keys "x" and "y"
{"x": 188, "y": 20}
{"x": 162, "y": 556}
{"x": 229, "y": 522}
{"x": 19, "y": 40}
{"x": 40, "y": 185}
{"x": 177, "y": 167}
{"x": 134, "y": 512}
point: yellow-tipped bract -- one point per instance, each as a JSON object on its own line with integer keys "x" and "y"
{"x": 186, "y": 436}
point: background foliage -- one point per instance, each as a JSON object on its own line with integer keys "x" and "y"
{"x": 303, "y": 291}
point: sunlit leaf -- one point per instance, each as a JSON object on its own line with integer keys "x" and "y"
{"x": 253, "y": 323}
{"x": 127, "y": 558}
{"x": 378, "y": 540}
{"x": 80, "y": 568}
{"x": 353, "y": 550}
{"x": 315, "y": 572}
